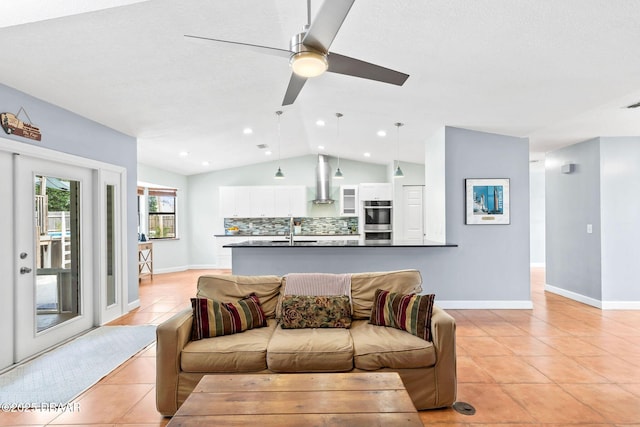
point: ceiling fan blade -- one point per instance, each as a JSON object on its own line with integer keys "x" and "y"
{"x": 253, "y": 47}
{"x": 294, "y": 88}
{"x": 354, "y": 67}
{"x": 326, "y": 24}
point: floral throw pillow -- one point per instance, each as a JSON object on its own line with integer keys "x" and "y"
{"x": 411, "y": 313}
{"x": 213, "y": 318}
{"x": 303, "y": 311}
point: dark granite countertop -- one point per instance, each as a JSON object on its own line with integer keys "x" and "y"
{"x": 283, "y": 243}
{"x": 283, "y": 236}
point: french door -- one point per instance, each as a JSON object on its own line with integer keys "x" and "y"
{"x": 53, "y": 234}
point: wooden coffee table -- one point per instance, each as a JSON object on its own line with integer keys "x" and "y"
{"x": 350, "y": 399}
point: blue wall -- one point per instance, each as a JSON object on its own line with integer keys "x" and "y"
{"x": 598, "y": 268}
{"x": 573, "y": 258}
{"x": 492, "y": 261}
{"x": 70, "y": 133}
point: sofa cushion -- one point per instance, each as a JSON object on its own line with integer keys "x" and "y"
{"x": 245, "y": 352}
{"x": 213, "y": 318}
{"x": 228, "y": 288}
{"x": 377, "y": 347}
{"x": 302, "y": 311}
{"x": 310, "y": 350}
{"x": 411, "y": 313}
{"x": 364, "y": 286}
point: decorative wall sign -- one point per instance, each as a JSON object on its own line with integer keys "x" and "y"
{"x": 12, "y": 125}
{"x": 487, "y": 201}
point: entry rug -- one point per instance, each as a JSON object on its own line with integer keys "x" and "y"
{"x": 63, "y": 373}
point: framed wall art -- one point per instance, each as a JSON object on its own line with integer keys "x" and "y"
{"x": 487, "y": 201}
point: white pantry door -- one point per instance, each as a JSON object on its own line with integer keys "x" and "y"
{"x": 413, "y": 212}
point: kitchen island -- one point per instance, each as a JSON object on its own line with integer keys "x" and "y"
{"x": 279, "y": 257}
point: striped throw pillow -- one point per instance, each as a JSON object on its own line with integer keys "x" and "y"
{"x": 213, "y": 318}
{"x": 411, "y": 313}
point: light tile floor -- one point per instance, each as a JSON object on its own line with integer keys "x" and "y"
{"x": 561, "y": 364}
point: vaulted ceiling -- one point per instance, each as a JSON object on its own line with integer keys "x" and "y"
{"x": 557, "y": 72}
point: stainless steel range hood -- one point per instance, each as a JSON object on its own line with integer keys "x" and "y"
{"x": 323, "y": 181}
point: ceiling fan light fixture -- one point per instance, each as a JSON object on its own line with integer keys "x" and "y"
{"x": 308, "y": 63}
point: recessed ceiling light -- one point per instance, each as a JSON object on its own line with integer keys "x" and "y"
{"x": 183, "y": 153}
{"x": 367, "y": 154}
{"x": 247, "y": 131}
{"x": 320, "y": 123}
{"x": 267, "y": 153}
{"x": 205, "y": 163}
{"x": 320, "y": 147}
{"x": 381, "y": 133}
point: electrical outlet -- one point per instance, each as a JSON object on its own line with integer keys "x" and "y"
{"x": 589, "y": 228}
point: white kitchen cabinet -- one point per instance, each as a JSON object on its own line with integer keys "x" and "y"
{"x": 376, "y": 191}
{"x": 235, "y": 202}
{"x": 290, "y": 200}
{"x": 223, "y": 255}
{"x": 262, "y": 201}
{"x": 348, "y": 200}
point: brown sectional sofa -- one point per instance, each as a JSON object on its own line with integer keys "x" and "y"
{"x": 428, "y": 369}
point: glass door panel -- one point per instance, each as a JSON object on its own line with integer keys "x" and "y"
{"x": 57, "y": 236}
{"x": 111, "y": 242}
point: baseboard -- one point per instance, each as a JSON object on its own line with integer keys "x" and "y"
{"x": 205, "y": 267}
{"x": 170, "y": 269}
{"x": 573, "y": 295}
{"x": 185, "y": 268}
{"x": 133, "y": 305}
{"x": 485, "y": 305}
{"x": 621, "y": 305}
{"x": 604, "y": 305}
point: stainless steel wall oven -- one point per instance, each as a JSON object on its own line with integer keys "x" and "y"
{"x": 378, "y": 221}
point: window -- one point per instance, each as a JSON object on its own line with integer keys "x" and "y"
{"x": 160, "y": 207}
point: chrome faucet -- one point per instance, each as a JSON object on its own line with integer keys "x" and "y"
{"x": 291, "y": 230}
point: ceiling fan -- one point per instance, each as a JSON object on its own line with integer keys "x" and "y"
{"x": 309, "y": 54}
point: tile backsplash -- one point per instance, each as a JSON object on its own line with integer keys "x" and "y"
{"x": 280, "y": 226}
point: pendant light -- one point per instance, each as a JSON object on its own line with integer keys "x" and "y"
{"x": 279, "y": 174}
{"x": 398, "y": 173}
{"x": 338, "y": 174}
